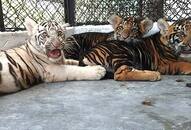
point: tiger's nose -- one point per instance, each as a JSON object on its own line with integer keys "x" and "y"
{"x": 56, "y": 44}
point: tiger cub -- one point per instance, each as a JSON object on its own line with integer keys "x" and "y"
{"x": 41, "y": 59}
{"x": 178, "y": 37}
{"x": 83, "y": 42}
{"x": 137, "y": 58}
{"x": 78, "y": 44}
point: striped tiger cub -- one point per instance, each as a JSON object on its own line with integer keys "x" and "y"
{"x": 136, "y": 58}
{"x": 77, "y": 45}
{"x": 178, "y": 37}
{"x": 83, "y": 42}
{"x": 41, "y": 59}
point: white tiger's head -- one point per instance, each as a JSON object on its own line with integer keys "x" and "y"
{"x": 47, "y": 37}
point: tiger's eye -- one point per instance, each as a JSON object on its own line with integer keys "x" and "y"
{"x": 180, "y": 36}
{"x": 119, "y": 28}
{"x": 44, "y": 35}
{"x": 60, "y": 33}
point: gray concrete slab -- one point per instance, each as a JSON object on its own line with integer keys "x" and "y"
{"x": 99, "y": 105}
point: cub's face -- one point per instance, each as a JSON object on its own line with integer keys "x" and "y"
{"x": 177, "y": 36}
{"x": 47, "y": 37}
{"x": 131, "y": 27}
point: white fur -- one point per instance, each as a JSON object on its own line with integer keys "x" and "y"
{"x": 155, "y": 29}
{"x": 41, "y": 66}
{"x": 58, "y": 73}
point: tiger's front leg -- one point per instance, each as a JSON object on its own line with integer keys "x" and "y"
{"x": 125, "y": 73}
{"x": 58, "y": 73}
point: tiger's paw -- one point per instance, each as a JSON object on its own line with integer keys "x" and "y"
{"x": 120, "y": 74}
{"x": 153, "y": 75}
{"x": 126, "y": 73}
{"x": 95, "y": 72}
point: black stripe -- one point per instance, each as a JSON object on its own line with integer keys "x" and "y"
{"x": 35, "y": 79}
{"x": 93, "y": 57}
{"x": 101, "y": 59}
{"x": 41, "y": 59}
{"x": 38, "y": 62}
{"x": 21, "y": 71}
{"x": 35, "y": 56}
{"x": 1, "y": 67}
{"x": 29, "y": 52}
{"x": 13, "y": 73}
{"x": 25, "y": 76}
{"x": 38, "y": 79}
{"x": 28, "y": 80}
{"x": 11, "y": 59}
{"x": 28, "y": 67}
{"x": 44, "y": 23}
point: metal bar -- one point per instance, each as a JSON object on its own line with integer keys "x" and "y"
{"x": 160, "y": 9}
{"x": 69, "y": 11}
{"x": 140, "y": 4}
{"x": 156, "y": 9}
{"x": 2, "y": 27}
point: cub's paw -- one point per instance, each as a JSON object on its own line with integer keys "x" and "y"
{"x": 153, "y": 75}
{"x": 121, "y": 73}
{"x": 125, "y": 73}
{"x": 96, "y": 72}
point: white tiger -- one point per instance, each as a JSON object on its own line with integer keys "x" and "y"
{"x": 41, "y": 59}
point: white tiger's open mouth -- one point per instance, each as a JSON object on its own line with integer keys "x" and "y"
{"x": 56, "y": 53}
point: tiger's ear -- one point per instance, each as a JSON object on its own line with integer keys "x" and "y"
{"x": 30, "y": 25}
{"x": 115, "y": 20}
{"x": 163, "y": 26}
{"x": 146, "y": 25}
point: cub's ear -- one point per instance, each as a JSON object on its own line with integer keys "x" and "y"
{"x": 30, "y": 25}
{"x": 115, "y": 20}
{"x": 146, "y": 25}
{"x": 163, "y": 26}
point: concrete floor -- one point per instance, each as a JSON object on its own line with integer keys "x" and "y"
{"x": 100, "y": 105}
